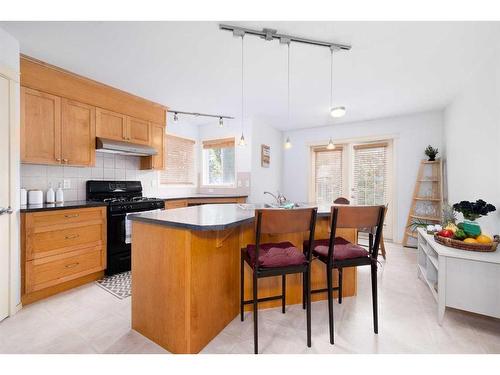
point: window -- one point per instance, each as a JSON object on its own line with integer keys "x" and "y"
{"x": 328, "y": 176}
{"x": 370, "y": 173}
{"x": 179, "y": 161}
{"x": 219, "y": 162}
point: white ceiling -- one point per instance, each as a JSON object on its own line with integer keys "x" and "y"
{"x": 393, "y": 67}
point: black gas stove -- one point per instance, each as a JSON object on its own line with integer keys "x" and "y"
{"x": 122, "y": 198}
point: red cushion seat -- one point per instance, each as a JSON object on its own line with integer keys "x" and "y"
{"x": 342, "y": 250}
{"x": 271, "y": 255}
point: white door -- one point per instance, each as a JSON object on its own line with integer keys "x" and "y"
{"x": 4, "y": 196}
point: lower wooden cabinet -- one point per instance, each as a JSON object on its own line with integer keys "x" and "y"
{"x": 61, "y": 249}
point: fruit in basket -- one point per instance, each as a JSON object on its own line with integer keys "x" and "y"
{"x": 470, "y": 240}
{"x": 451, "y": 227}
{"x": 460, "y": 235}
{"x": 445, "y": 233}
{"x": 483, "y": 238}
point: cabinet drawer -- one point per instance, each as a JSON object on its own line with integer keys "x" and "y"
{"x": 48, "y": 243}
{"x": 63, "y": 217}
{"x": 49, "y": 271}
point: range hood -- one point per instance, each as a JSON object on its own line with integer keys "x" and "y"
{"x": 123, "y": 148}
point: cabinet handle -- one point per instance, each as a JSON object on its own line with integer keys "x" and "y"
{"x": 72, "y": 265}
{"x": 65, "y": 160}
{"x": 71, "y": 215}
{"x": 72, "y": 236}
{"x": 59, "y": 160}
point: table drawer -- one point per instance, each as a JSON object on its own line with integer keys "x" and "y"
{"x": 49, "y": 243}
{"x": 63, "y": 217}
{"x": 49, "y": 271}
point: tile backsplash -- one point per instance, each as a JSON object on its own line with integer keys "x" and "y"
{"x": 107, "y": 167}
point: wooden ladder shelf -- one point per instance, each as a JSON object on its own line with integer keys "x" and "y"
{"x": 428, "y": 192}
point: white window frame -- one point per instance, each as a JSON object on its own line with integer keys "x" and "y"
{"x": 204, "y": 167}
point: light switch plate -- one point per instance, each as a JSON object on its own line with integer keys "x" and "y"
{"x": 66, "y": 184}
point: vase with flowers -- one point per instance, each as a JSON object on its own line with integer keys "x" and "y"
{"x": 472, "y": 211}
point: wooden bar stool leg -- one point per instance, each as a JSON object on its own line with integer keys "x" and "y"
{"x": 242, "y": 287}
{"x": 283, "y": 293}
{"x": 329, "y": 271}
{"x": 340, "y": 284}
{"x": 374, "y": 296}
{"x": 255, "y": 320}
{"x": 308, "y": 312}
{"x": 304, "y": 296}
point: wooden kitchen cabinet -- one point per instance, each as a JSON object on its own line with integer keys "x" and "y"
{"x": 40, "y": 127}
{"x": 111, "y": 125}
{"x": 61, "y": 249}
{"x": 138, "y": 131}
{"x": 158, "y": 143}
{"x": 77, "y": 133}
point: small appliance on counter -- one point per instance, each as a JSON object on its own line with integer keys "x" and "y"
{"x": 35, "y": 197}
{"x": 24, "y": 197}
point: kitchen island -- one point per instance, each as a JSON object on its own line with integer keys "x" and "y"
{"x": 186, "y": 268}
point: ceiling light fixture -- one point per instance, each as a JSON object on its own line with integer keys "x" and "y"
{"x": 242, "y": 141}
{"x": 221, "y": 122}
{"x": 176, "y": 117}
{"x": 331, "y": 145}
{"x": 339, "y": 111}
{"x": 288, "y": 143}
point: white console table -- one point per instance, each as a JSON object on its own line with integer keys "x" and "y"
{"x": 465, "y": 280}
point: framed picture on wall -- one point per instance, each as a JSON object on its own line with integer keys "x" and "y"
{"x": 265, "y": 156}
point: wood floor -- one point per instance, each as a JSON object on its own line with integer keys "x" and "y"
{"x": 90, "y": 320}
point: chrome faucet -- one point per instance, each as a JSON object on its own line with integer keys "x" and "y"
{"x": 280, "y": 198}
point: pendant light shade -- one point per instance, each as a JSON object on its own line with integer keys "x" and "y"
{"x": 339, "y": 111}
{"x": 242, "y": 141}
{"x": 331, "y": 145}
{"x": 288, "y": 143}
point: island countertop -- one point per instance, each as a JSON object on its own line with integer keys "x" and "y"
{"x": 210, "y": 216}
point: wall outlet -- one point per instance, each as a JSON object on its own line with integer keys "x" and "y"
{"x": 66, "y": 184}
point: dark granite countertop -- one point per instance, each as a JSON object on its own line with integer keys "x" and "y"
{"x": 209, "y": 216}
{"x": 203, "y": 196}
{"x": 60, "y": 206}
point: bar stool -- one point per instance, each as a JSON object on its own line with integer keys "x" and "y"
{"x": 278, "y": 259}
{"x": 338, "y": 253}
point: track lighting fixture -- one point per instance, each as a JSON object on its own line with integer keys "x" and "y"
{"x": 176, "y": 117}
{"x": 339, "y": 111}
{"x": 221, "y": 122}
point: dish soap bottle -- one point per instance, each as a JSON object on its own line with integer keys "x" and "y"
{"x": 50, "y": 195}
{"x": 59, "y": 194}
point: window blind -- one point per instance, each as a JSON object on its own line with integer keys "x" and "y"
{"x": 370, "y": 173}
{"x": 219, "y": 143}
{"x": 328, "y": 179}
{"x": 179, "y": 161}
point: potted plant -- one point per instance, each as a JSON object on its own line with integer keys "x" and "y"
{"x": 431, "y": 152}
{"x": 471, "y": 212}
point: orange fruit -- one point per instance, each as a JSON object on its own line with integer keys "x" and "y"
{"x": 483, "y": 238}
{"x": 470, "y": 240}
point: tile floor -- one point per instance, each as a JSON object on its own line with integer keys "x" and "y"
{"x": 90, "y": 320}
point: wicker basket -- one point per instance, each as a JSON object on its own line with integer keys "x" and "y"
{"x": 457, "y": 244}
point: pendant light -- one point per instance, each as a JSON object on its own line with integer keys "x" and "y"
{"x": 288, "y": 143}
{"x": 331, "y": 145}
{"x": 339, "y": 111}
{"x": 221, "y": 122}
{"x": 242, "y": 141}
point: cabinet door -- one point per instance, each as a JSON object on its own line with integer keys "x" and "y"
{"x": 111, "y": 125}
{"x": 139, "y": 131}
{"x": 77, "y": 133}
{"x": 158, "y": 142}
{"x": 40, "y": 127}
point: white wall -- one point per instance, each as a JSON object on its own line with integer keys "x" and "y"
{"x": 265, "y": 179}
{"x": 9, "y": 51}
{"x": 472, "y": 137}
{"x": 411, "y": 133}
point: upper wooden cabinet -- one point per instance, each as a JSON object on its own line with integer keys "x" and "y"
{"x": 77, "y": 133}
{"x": 111, "y": 125}
{"x": 56, "y": 130}
{"x": 40, "y": 127}
{"x": 158, "y": 142}
{"x": 139, "y": 131}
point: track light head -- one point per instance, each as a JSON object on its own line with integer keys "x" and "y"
{"x": 176, "y": 117}
{"x": 221, "y": 122}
